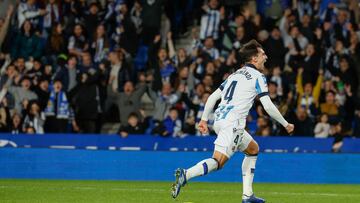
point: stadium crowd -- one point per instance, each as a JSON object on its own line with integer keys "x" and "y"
{"x": 71, "y": 66}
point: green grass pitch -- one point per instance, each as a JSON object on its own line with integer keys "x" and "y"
{"x": 159, "y": 192}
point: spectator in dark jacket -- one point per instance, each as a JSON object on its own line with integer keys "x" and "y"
{"x": 133, "y": 126}
{"x": 304, "y": 125}
{"x": 86, "y": 99}
{"x": 27, "y": 44}
{"x": 67, "y": 74}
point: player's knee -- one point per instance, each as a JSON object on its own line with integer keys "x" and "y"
{"x": 253, "y": 149}
{"x": 220, "y": 164}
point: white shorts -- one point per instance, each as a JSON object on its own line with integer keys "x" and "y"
{"x": 231, "y": 137}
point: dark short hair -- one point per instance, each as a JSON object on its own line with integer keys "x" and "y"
{"x": 133, "y": 115}
{"x": 248, "y": 50}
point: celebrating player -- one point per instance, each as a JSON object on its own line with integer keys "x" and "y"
{"x": 237, "y": 95}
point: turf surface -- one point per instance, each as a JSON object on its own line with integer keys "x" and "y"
{"x": 159, "y": 192}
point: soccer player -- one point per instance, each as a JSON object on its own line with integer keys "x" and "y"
{"x": 237, "y": 95}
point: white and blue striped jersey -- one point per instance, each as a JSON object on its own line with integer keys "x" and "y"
{"x": 210, "y": 23}
{"x": 238, "y": 92}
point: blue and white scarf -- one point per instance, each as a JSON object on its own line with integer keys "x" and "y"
{"x": 63, "y": 110}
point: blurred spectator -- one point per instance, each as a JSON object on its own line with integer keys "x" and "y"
{"x": 263, "y": 127}
{"x": 275, "y": 48}
{"x": 330, "y": 107}
{"x": 163, "y": 102}
{"x": 78, "y": 43}
{"x": 322, "y": 128}
{"x": 92, "y": 19}
{"x": 67, "y": 74}
{"x": 337, "y": 133}
{"x": 151, "y": 19}
{"x": 42, "y": 91}
{"x": 86, "y": 98}
{"x": 56, "y": 43}
{"x": 58, "y": 110}
{"x": 52, "y": 16}
{"x": 100, "y": 45}
{"x": 171, "y": 126}
{"x": 20, "y": 93}
{"x": 304, "y": 125}
{"x": 4, "y": 24}
{"x": 16, "y": 124}
{"x": 27, "y": 44}
{"x": 5, "y": 117}
{"x": 130, "y": 100}
{"x": 34, "y": 119}
{"x": 133, "y": 126}
{"x": 27, "y": 10}
{"x": 210, "y": 20}
{"x": 308, "y": 97}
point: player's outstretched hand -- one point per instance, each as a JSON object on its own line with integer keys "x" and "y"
{"x": 290, "y": 128}
{"x": 203, "y": 128}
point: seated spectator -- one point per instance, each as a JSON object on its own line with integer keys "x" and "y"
{"x": 263, "y": 127}
{"x": 16, "y": 124}
{"x": 330, "y": 107}
{"x": 133, "y": 126}
{"x": 34, "y": 118}
{"x": 57, "y": 111}
{"x": 27, "y": 44}
{"x": 56, "y": 43}
{"x": 100, "y": 45}
{"x": 5, "y": 118}
{"x": 322, "y": 128}
{"x": 170, "y": 126}
{"x": 337, "y": 133}
{"x": 67, "y": 74}
{"x": 42, "y": 91}
{"x": 78, "y": 43}
{"x": 210, "y": 49}
{"x": 304, "y": 125}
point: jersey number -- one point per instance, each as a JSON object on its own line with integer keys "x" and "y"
{"x": 230, "y": 91}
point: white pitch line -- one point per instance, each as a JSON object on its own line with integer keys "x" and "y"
{"x": 188, "y": 191}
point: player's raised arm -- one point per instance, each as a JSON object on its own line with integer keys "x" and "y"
{"x": 209, "y": 106}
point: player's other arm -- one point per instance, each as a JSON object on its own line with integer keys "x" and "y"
{"x": 209, "y": 106}
{"x": 271, "y": 109}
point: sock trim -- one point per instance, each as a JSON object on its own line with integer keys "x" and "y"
{"x": 251, "y": 155}
{"x": 205, "y": 168}
{"x": 252, "y": 170}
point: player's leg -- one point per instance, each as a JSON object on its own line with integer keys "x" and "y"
{"x": 206, "y": 166}
{"x": 202, "y": 168}
{"x": 248, "y": 169}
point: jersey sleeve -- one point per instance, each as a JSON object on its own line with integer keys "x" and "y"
{"x": 261, "y": 86}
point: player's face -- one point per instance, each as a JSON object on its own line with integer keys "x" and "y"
{"x": 261, "y": 59}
